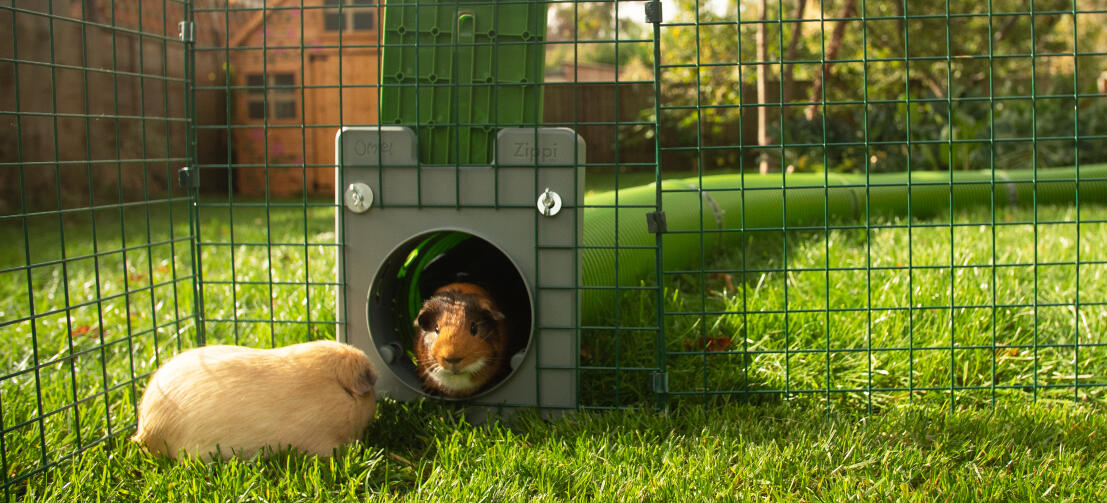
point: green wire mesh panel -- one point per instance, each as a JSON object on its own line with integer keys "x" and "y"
{"x": 279, "y": 79}
{"x": 891, "y": 201}
{"x": 864, "y": 203}
{"x": 96, "y": 282}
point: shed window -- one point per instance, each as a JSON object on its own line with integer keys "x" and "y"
{"x": 279, "y": 97}
{"x": 355, "y": 15}
{"x": 255, "y": 96}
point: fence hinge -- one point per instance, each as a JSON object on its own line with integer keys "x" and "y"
{"x": 655, "y": 222}
{"x": 186, "y": 31}
{"x": 188, "y": 178}
{"x": 653, "y": 11}
{"x": 660, "y": 382}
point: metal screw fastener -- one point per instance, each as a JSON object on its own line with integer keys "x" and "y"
{"x": 549, "y": 203}
{"x": 358, "y": 197}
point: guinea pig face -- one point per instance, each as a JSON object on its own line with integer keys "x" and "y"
{"x": 460, "y": 333}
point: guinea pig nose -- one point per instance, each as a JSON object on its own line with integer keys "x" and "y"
{"x": 452, "y": 361}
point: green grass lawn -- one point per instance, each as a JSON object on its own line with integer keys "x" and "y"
{"x": 769, "y": 321}
{"x": 813, "y": 350}
{"x": 424, "y": 452}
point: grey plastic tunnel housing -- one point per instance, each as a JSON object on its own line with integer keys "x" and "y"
{"x": 427, "y": 225}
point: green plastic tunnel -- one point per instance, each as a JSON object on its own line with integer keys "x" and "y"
{"x": 698, "y": 213}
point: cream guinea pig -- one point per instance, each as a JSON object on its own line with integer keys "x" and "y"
{"x": 313, "y": 397}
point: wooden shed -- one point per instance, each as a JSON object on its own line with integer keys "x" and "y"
{"x": 299, "y": 73}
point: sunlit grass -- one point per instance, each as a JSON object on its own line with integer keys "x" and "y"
{"x": 420, "y": 452}
{"x": 865, "y": 318}
{"x": 833, "y": 323}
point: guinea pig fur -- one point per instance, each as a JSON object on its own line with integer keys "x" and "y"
{"x": 460, "y": 340}
{"x": 313, "y": 397}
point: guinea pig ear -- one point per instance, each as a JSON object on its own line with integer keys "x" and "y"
{"x": 493, "y": 313}
{"x": 428, "y": 315}
{"x": 361, "y": 383}
{"x": 425, "y": 321}
{"x": 356, "y": 375}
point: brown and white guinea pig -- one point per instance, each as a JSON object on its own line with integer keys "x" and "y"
{"x": 460, "y": 340}
{"x": 313, "y": 397}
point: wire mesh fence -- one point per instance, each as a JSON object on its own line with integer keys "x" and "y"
{"x": 96, "y": 266}
{"x": 843, "y": 204}
{"x": 266, "y": 214}
{"x": 924, "y": 230}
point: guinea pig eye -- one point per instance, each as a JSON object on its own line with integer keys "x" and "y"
{"x": 473, "y": 328}
{"x": 435, "y": 329}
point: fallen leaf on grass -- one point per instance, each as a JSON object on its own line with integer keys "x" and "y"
{"x": 710, "y": 344}
{"x": 728, "y": 280}
{"x": 84, "y": 330}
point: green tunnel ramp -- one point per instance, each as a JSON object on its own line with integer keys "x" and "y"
{"x": 456, "y": 71}
{"x": 844, "y": 197}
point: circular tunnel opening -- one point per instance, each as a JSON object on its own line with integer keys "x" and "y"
{"x": 418, "y": 267}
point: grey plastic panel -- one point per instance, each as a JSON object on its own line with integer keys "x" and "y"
{"x": 516, "y": 147}
{"x": 493, "y": 203}
{"x": 372, "y": 146}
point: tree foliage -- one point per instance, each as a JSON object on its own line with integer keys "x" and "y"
{"x": 887, "y": 72}
{"x": 600, "y": 32}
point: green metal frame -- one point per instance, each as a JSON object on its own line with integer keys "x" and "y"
{"x": 99, "y": 274}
